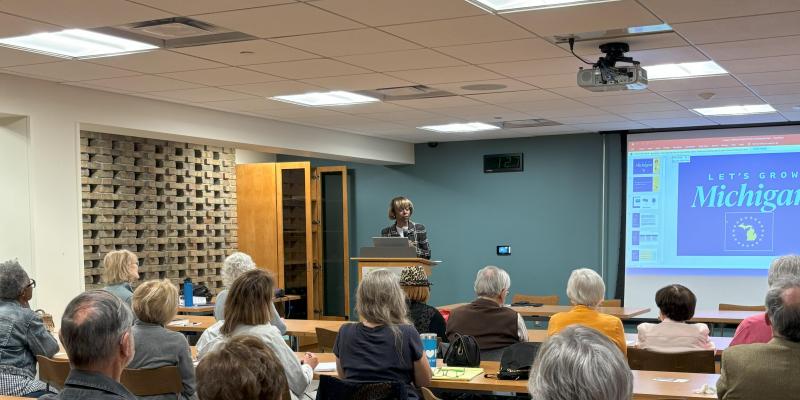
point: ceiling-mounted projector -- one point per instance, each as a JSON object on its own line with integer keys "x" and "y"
{"x": 606, "y": 76}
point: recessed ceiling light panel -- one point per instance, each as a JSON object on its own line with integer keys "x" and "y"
{"x": 322, "y": 99}
{"x": 75, "y": 43}
{"x": 736, "y": 110}
{"x": 505, "y": 6}
{"x": 460, "y": 127}
{"x": 684, "y": 70}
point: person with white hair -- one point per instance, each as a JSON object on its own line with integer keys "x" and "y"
{"x": 755, "y": 328}
{"x": 580, "y": 363}
{"x": 235, "y": 265}
{"x": 493, "y": 325}
{"x": 586, "y": 291}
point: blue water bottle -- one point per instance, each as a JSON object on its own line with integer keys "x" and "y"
{"x": 188, "y": 293}
{"x": 429, "y": 343}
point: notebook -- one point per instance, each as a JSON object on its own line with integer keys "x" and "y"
{"x": 456, "y": 373}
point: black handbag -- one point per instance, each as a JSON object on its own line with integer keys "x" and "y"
{"x": 463, "y": 352}
{"x": 516, "y": 361}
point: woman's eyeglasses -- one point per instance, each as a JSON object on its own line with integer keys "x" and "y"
{"x": 32, "y": 284}
{"x": 448, "y": 372}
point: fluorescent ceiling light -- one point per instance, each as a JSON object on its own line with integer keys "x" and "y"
{"x": 503, "y": 6}
{"x": 684, "y": 70}
{"x": 736, "y": 110}
{"x": 649, "y": 29}
{"x": 460, "y": 128}
{"x": 75, "y": 43}
{"x": 318, "y": 99}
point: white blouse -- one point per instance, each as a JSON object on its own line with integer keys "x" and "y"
{"x": 673, "y": 337}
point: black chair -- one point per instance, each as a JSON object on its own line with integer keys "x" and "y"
{"x": 332, "y": 388}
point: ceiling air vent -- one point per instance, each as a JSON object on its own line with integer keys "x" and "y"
{"x": 528, "y": 123}
{"x": 176, "y": 32}
{"x": 406, "y": 93}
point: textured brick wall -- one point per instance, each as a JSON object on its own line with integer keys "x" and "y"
{"x": 171, "y": 203}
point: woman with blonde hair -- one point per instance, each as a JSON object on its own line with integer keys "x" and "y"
{"x": 400, "y": 210}
{"x": 155, "y": 303}
{"x": 384, "y": 346}
{"x": 248, "y": 312}
{"x": 121, "y": 268}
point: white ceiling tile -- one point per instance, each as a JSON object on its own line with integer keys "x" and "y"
{"x": 768, "y": 78}
{"x": 281, "y": 20}
{"x": 650, "y": 115}
{"x": 204, "y": 94}
{"x": 549, "y": 66}
{"x": 749, "y": 119}
{"x": 401, "y": 60}
{"x": 589, "y": 119}
{"x": 270, "y": 89}
{"x": 392, "y": 12}
{"x": 703, "y": 82}
{"x": 303, "y": 69}
{"x": 574, "y": 91}
{"x": 718, "y": 93}
{"x": 302, "y": 112}
{"x": 757, "y": 48}
{"x": 636, "y": 108}
{"x": 82, "y": 13}
{"x": 675, "y": 11}
{"x": 11, "y": 57}
{"x": 11, "y": 26}
{"x": 193, "y": 7}
{"x": 358, "y": 82}
{"x": 677, "y": 122}
{"x": 764, "y": 64}
{"x": 610, "y": 126}
{"x": 446, "y": 75}
{"x": 744, "y": 28}
{"x": 406, "y": 116}
{"x": 584, "y": 18}
{"x": 483, "y": 113}
{"x": 369, "y": 108}
{"x": 783, "y": 99}
{"x": 721, "y": 102}
{"x": 157, "y": 61}
{"x": 525, "y": 96}
{"x": 65, "y": 71}
{"x": 634, "y": 98}
{"x": 468, "y": 30}
{"x": 505, "y": 51}
{"x": 670, "y": 55}
{"x": 95, "y": 87}
{"x": 792, "y": 116}
{"x": 143, "y": 83}
{"x": 567, "y": 106}
{"x": 332, "y": 120}
{"x": 437, "y": 102}
{"x": 636, "y": 43}
{"x": 359, "y": 41}
{"x": 479, "y": 87}
{"x": 551, "y": 81}
{"x": 222, "y": 76}
{"x": 771, "y": 90}
{"x": 250, "y": 105}
{"x": 246, "y": 52}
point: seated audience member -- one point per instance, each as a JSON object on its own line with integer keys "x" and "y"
{"x": 586, "y": 290}
{"x": 494, "y": 326}
{"x": 235, "y": 265}
{"x": 242, "y": 368}
{"x": 384, "y": 346}
{"x": 580, "y": 363}
{"x": 248, "y": 312}
{"x": 755, "y": 328}
{"x": 121, "y": 268}
{"x": 96, "y": 332}
{"x": 22, "y": 334}
{"x": 673, "y": 335}
{"x": 425, "y": 318}
{"x": 766, "y": 370}
{"x": 155, "y": 303}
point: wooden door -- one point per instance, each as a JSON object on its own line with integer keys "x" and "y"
{"x": 256, "y": 215}
{"x": 295, "y": 248}
{"x": 332, "y": 271}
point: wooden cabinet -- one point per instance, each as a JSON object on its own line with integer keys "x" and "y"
{"x": 282, "y": 215}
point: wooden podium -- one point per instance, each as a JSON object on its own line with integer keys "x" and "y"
{"x": 368, "y": 263}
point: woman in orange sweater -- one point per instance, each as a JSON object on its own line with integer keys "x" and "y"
{"x": 586, "y": 291}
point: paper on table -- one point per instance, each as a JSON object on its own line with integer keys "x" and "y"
{"x": 326, "y": 367}
{"x": 672, "y": 380}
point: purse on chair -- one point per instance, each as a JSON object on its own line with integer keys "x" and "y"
{"x": 463, "y": 352}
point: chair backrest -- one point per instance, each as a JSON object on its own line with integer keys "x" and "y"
{"x": 701, "y": 361}
{"x": 427, "y": 394}
{"x": 334, "y": 388}
{"x": 546, "y": 300}
{"x": 325, "y": 339}
{"x": 611, "y": 303}
{"x": 152, "y": 381}
{"x": 53, "y": 372}
{"x": 736, "y": 307}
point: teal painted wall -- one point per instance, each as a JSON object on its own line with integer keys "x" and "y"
{"x": 550, "y": 213}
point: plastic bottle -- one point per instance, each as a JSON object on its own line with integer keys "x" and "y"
{"x": 188, "y": 292}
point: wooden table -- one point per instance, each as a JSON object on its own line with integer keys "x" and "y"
{"x": 307, "y": 327}
{"x": 209, "y": 308}
{"x": 195, "y": 323}
{"x": 723, "y": 317}
{"x": 548, "y": 311}
{"x": 644, "y": 385}
{"x": 720, "y": 343}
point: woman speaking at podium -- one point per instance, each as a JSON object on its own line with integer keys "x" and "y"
{"x": 400, "y": 210}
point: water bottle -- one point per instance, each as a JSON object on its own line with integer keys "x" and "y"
{"x": 188, "y": 293}
{"x": 429, "y": 343}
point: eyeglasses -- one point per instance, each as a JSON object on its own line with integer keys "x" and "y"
{"x": 32, "y": 284}
{"x": 448, "y": 372}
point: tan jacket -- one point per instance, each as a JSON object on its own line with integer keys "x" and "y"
{"x": 760, "y": 371}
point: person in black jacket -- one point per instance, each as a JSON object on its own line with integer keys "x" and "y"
{"x": 426, "y": 319}
{"x": 400, "y": 210}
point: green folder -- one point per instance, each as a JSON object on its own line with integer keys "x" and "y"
{"x": 456, "y": 373}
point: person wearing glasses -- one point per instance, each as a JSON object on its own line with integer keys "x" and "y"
{"x": 400, "y": 210}
{"x": 22, "y": 334}
{"x": 121, "y": 269}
